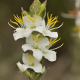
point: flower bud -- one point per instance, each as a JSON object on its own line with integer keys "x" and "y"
{"x": 43, "y": 6}
{"x": 35, "y": 5}
{"x": 20, "y": 67}
{"x": 43, "y": 69}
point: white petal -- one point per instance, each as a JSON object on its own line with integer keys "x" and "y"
{"x": 37, "y": 67}
{"x": 18, "y": 33}
{"x": 37, "y": 54}
{"x": 39, "y": 22}
{"x": 27, "y": 32}
{"x": 17, "y": 36}
{"x": 43, "y": 42}
{"x": 21, "y": 32}
{"x": 51, "y": 34}
{"x": 43, "y": 69}
{"x": 29, "y": 40}
{"x": 38, "y": 29}
{"x": 50, "y": 55}
{"x": 43, "y": 23}
{"x": 24, "y": 58}
{"x": 25, "y": 19}
{"x": 22, "y": 67}
{"x": 26, "y": 47}
{"x": 25, "y": 66}
{"x": 39, "y": 18}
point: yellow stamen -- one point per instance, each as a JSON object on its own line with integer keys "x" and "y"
{"x": 52, "y": 20}
{"x": 35, "y": 17}
{"x": 54, "y": 41}
{"x": 22, "y": 15}
{"x": 31, "y": 59}
{"x": 18, "y": 19}
{"x": 54, "y": 23}
{"x": 38, "y": 40}
{"x": 28, "y": 15}
{"x": 35, "y": 39}
{"x": 13, "y": 22}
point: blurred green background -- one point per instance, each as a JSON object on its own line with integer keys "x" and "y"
{"x": 67, "y": 66}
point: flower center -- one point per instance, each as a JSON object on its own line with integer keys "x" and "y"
{"x": 33, "y": 27}
{"x": 31, "y": 59}
{"x": 44, "y": 52}
{"x": 35, "y": 47}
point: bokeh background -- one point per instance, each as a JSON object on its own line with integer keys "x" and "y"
{"x": 67, "y": 65}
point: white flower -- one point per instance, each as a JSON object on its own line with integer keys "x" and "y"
{"x": 36, "y": 52}
{"x": 33, "y": 22}
{"x": 48, "y": 54}
{"x": 46, "y": 30}
{"x": 30, "y": 62}
{"x": 40, "y": 47}
{"x": 35, "y": 44}
{"x": 27, "y": 25}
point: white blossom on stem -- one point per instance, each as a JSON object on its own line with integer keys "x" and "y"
{"x": 46, "y": 30}
{"x": 30, "y": 62}
{"x": 35, "y": 44}
{"x": 26, "y": 25}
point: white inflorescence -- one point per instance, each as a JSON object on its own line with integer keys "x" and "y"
{"x": 39, "y": 38}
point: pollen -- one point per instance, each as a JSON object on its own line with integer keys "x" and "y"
{"x": 53, "y": 42}
{"x": 52, "y": 20}
{"x": 31, "y": 59}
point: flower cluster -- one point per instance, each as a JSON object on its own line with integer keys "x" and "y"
{"x": 75, "y": 14}
{"x": 38, "y": 36}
